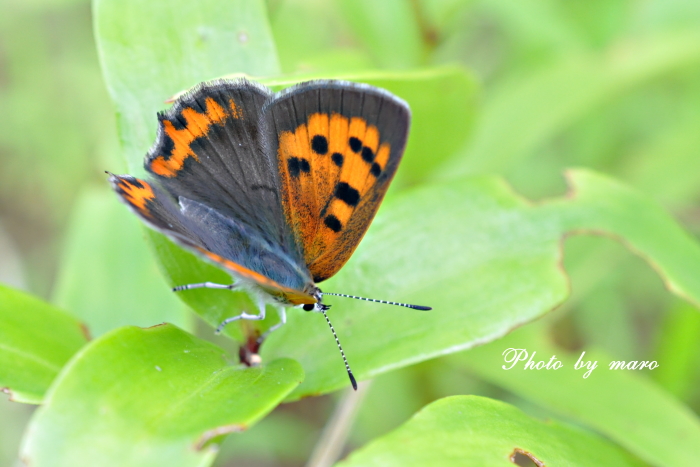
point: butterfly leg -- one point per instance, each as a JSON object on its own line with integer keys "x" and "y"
{"x": 260, "y": 316}
{"x": 203, "y": 285}
{"x": 282, "y": 312}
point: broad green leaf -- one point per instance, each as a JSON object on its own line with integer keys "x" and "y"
{"x": 153, "y": 76}
{"x": 108, "y": 278}
{"x": 151, "y": 50}
{"x": 145, "y": 397}
{"x": 523, "y": 112}
{"x": 476, "y": 431}
{"x": 624, "y": 405}
{"x": 182, "y": 267}
{"x": 441, "y": 100}
{"x": 36, "y": 340}
{"x": 484, "y": 258}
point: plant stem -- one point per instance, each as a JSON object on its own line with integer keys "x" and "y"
{"x": 330, "y": 444}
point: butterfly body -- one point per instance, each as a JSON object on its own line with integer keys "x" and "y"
{"x": 276, "y": 188}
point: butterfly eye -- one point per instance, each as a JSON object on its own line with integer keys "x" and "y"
{"x": 308, "y": 307}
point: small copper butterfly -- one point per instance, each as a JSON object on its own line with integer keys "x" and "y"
{"x": 277, "y": 189}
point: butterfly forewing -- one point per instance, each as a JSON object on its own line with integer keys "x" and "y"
{"x": 338, "y": 146}
{"x": 220, "y": 193}
{"x": 209, "y": 149}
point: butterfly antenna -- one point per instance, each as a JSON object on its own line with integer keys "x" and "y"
{"x": 347, "y": 366}
{"x": 407, "y": 305}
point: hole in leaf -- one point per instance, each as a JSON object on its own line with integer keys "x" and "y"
{"x": 522, "y": 458}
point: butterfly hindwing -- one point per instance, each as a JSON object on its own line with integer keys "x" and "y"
{"x": 338, "y": 146}
{"x": 216, "y": 237}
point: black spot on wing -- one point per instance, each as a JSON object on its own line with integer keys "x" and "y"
{"x": 297, "y": 165}
{"x": 376, "y": 169}
{"x": 337, "y": 159}
{"x": 367, "y": 154}
{"x": 355, "y": 144}
{"x": 293, "y": 166}
{"x": 319, "y": 144}
{"x": 167, "y": 146}
{"x": 347, "y": 194}
{"x": 333, "y": 223}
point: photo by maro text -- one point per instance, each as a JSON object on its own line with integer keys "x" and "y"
{"x": 521, "y": 358}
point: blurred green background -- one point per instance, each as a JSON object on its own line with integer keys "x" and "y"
{"x": 613, "y": 85}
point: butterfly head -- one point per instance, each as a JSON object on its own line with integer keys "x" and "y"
{"x": 319, "y": 306}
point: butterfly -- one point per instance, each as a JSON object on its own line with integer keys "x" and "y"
{"x": 277, "y": 189}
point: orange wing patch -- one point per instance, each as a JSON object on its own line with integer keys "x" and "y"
{"x": 292, "y": 296}
{"x": 235, "y": 111}
{"x": 329, "y": 167}
{"x": 198, "y": 125}
{"x": 135, "y": 192}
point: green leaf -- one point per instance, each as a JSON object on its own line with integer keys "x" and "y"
{"x": 484, "y": 258}
{"x": 108, "y": 278}
{"x": 140, "y": 77}
{"x": 471, "y": 430}
{"x": 623, "y": 405}
{"x": 147, "y": 58}
{"x": 144, "y": 397}
{"x": 441, "y": 121}
{"x": 36, "y": 340}
{"x": 151, "y": 50}
{"x": 182, "y": 267}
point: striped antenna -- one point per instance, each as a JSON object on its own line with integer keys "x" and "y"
{"x": 347, "y": 365}
{"x": 407, "y": 305}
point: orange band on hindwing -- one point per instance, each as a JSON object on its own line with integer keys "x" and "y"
{"x": 291, "y": 296}
{"x": 329, "y": 168}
